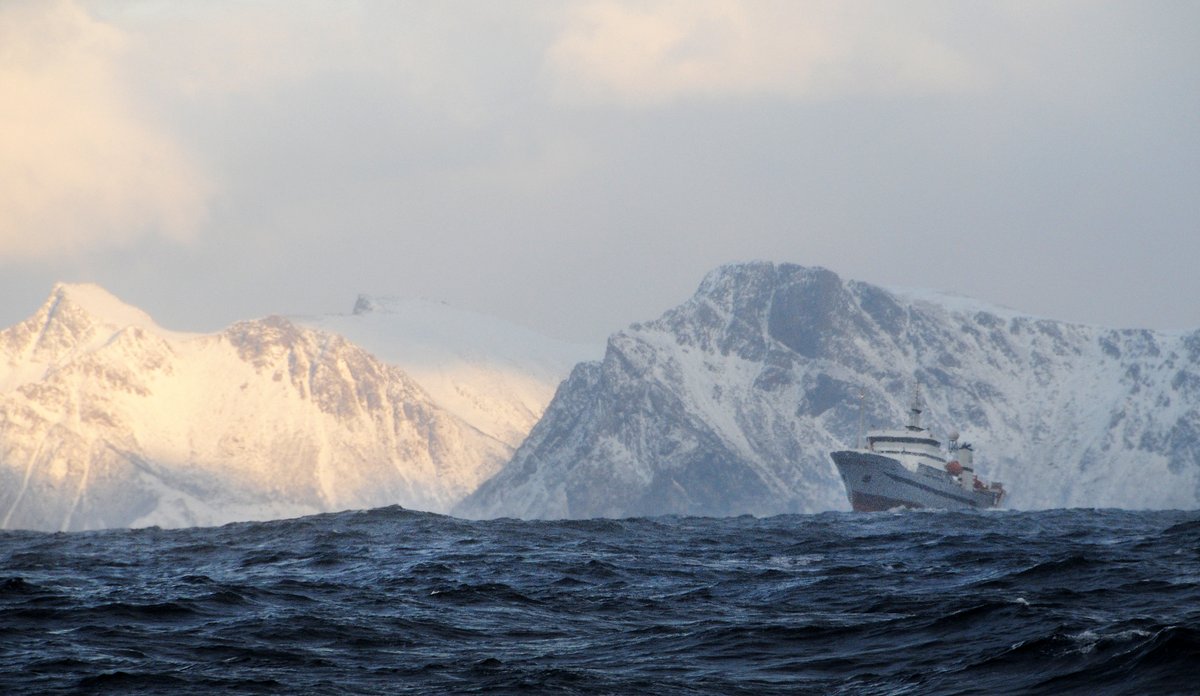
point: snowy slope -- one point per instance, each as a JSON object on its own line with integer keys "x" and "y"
{"x": 495, "y": 375}
{"x": 731, "y": 402}
{"x": 107, "y": 420}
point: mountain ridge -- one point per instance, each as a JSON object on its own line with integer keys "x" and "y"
{"x": 726, "y": 404}
{"x": 108, "y": 420}
{"x": 730, "y": 402}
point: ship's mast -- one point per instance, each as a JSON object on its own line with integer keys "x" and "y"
{"x": 862, "y": 395}
{"x": 918, "y": 405}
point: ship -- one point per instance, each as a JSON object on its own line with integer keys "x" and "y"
{"x": 907, "y": 468}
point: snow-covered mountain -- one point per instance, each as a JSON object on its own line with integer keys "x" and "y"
{"x": 107, "y": 420}
{"x": 495, "y": 375}
{"x": 731, "y": 402}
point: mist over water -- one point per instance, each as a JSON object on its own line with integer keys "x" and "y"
{"x": 393, "y": 601}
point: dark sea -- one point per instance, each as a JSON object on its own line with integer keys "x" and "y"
{"x": 391, "y": 601}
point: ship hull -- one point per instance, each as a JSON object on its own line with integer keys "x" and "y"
{"x": 875, "y": 482}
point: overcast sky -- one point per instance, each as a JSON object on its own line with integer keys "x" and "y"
{"x": 578, "y": 166}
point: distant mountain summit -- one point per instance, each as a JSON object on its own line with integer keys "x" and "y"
{"x": 731, "y": 403}
{"x": 108, "y": 420}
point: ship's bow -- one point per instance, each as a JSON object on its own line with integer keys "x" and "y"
{"x": 861, "y": 473}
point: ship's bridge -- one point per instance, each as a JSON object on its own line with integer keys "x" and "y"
{"x": 911, "y": 441}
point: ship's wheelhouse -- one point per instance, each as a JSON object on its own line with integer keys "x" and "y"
{"x": 906, "y": 442}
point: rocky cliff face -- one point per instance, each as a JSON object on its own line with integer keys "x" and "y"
{"x": 731, "y": 402}
{"x": 107, "y": 420}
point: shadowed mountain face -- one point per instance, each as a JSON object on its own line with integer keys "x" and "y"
{"x": 731, "y": 402}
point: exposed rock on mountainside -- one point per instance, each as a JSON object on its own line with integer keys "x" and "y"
{"x": 731, "y": 402}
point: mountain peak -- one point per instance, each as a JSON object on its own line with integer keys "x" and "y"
{"x": 99, "y": 304}
{"x": 749, "y": 270}
{"x": 365, "y": 304}
{"x": 730, "y": 403}
{"x": 392, "y": 304}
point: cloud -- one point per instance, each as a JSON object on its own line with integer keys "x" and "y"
{"x": 649, "y": 54}
{"x": 81, "y": 166}
{"x": 216, "y": 49}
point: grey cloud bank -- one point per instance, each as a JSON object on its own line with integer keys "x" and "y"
{"x": 576, "y": 167}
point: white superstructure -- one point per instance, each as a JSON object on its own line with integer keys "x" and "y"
{"x": 908, "y": 468}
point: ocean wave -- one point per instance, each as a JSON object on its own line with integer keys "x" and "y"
{"x": 389, "y": 600}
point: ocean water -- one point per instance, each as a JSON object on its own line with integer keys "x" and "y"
{"x": 391, "y": 601}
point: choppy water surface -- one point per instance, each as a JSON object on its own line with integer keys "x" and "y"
{"x": 391, "y": 601}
